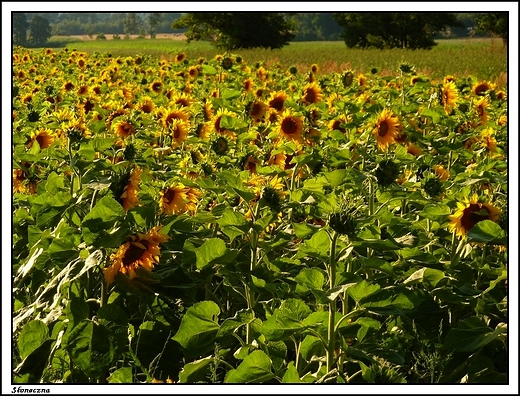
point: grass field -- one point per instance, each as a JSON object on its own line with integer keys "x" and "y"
{"x": 482, "y": 58}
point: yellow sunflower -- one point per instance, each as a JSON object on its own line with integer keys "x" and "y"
{"x": 413, "y": 149}
{"x": 488, "y": 140}
{"x": 441, "y": 173}
{"x": 470, "y": 212}
{"x": 481, "y": 107}
{"x": 179, "y": 132}
{"x": 174, "y": 114}
{"x": 44, "y": 138}
{"x": 277, "y": 100}
{"x": 481, "y": 88}
{"x": 18, "y": 180}
{"x": 179, "y": 199}
{"x": 182, "y": 100}
{"x": 142, "y": 251}
{"x": 146, "y": 105}
{"x": 387, "y": 129}
{"x": 123, "y": 128}
{"x": 257, "y": 110}
{"x": 290, "y": 126}
{"x": 449, "y": 96}
{"x": 312, "y": 93}
{"x": 193, "y": 71}
{"x": 248, "y": 85}
{"x": 156, "y": 86}
{"x": 129, "y": 196}
{"x": 216, "y": 120}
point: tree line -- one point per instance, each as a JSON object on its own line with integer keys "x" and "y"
{"x": 234, "y": 30}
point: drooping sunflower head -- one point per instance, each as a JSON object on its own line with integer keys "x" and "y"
{"x": 129, "y": 197}
{"x": 387, "y": 129}
{"x": 469, "y": 212}
{"x": 173, "y": 199}
{"x": 291, "y": 126}
{"x": 441, "y": 173}
{"x": 141, "y": 252}
{"x": 449, "y": 96}
{"x": 387, "y": 172}
{"x": 481, "y": 106}
{"x": 312, "y": 93}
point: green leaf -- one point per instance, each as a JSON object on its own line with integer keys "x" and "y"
{"x": 336, "y": 177}
{"x": 487, "y": 231}
{"x": 77, "y": 310}
{"x": 213, "y": 251}
{"x": 230, "y": 94}
{"x": 103, "y": 215}
{"x": 90, "y": 348}
{"x": 31, "y": 369}
{"x": 436, "y": 212}
{"x": 291, "y": 375}
{"x": 434, "y": 115}
{"x": 311, "y": 278}
{"x": 122, "y": 375}
{"x": 256, "y": 368}
{"x": 208, "y": 70}
{"x": 33, "y": 334}
{"x": 241, "y": 318}
{"x": 472, "y": 334}
{"x": 392, "y": 300}
{"x": 231, "y": 218}
{"x": 199, "y": 325}
{"x": 286, "y": 320}
{"x": 317, "y": 246}
{"x": 429, "y": 276}
{"x": 195, "y": 371}
{"x": 362, "y": 290}
{"x": 311, "y": 346}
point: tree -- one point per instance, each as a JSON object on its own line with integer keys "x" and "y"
{"x": 40, "y": 31}
{"x": 393, "y": 30}
{"x": 20, "y": 27}
{"x": 132, "y": 24}
{"x": 494, "y": 23}
{"x": 153, "y": 20}
{"x": 233, "y": 30}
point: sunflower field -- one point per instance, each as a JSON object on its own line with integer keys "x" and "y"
{"x": 214, "y": 221}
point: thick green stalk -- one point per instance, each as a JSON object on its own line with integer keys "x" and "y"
{"x": 332, "y": 305}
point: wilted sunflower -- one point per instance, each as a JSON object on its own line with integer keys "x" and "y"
{"x": 449, "y": 96}
{"x": 129, "y": 197}
{"x": 142, "y": 251}
{"x": 123, "y": 128}
{"x": 312, "y": 93}
{"x": 44, "y": 138}
{"x": 470, "y": 212}
{"x": 277, "y": 100}
{"x": 387, "y": 129}
{"x": 291, "y": 126}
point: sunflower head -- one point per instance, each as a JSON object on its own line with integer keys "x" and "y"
{"x": 123, "y": 128}
{"x": 312, "y": 93}
{"x": 44, "y": 138}
{"x": 348, "y": 78}
{"x": 449, "y": 96}
{"x": 343, "y": 222}
{"x": 433, "y": 187}
{"x": 387, "y": 129}
{"x": 291, "y": 126}
{"x": 471, "y": 211}
{"x": 277, "y": 100}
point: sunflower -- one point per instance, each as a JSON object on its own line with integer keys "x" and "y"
{"x": 174, "y": 114}
{"x": 123, "y": 128}
{"x": 362, "y": 80}
{"x": 448, "y": 78}
{"x": 250, "y": 162}
{"x": 441, "y": 173}
{"x": 18, "y": 180}
{"x": 142, "y": 251}
{"x": 207, "y": 109}
{"x": 146, "y": 105}
{"x": 312, "y": 93}
{"x": 182, "y": 99}
{"x": 277, "y": 100}
{"x": 291, "y": 126}
{"x": 193, "y": 71}
{"x": 387, "y": 128}
{"x": 217, "y": 118}
{"x": 248, "y": 85}
{"x": 44, "y": 138}
{"x": 481, "y": 88}
{"x": 449, "y": 96}
{"x": 179, "y": 199}
{"x": 413, "y": 149}
{"x": 156, "y": 86}
{"x": 180, "y": 57}
{"x": 314, "y": 68}
{"x": 470, "y": 212}
{"x": 257, "y": 110}
{"x": 488, "y": 140}
{"x": 179, "y": 132}
{"x": 336, "y": 124}
{"x": 480, "y": 107}
{"x": 129, "y": 198}
{"x": 278, "y": 159}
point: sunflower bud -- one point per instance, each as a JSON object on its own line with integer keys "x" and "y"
{"x": 433, "y": 187}
{"x": 343, "y": 222}
{"x": 227, "y": 63}
{"x": 129, "y": 152}
{"x": 271, "y": 198}
{"x": 220, "y": 146}
{"x": 387, "y": 172}
{"x": 347, "y": 78}
{"x": 33, "y": 116}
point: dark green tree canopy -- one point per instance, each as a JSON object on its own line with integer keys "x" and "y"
{"x": 495, "y": 23}
{"x": 233, "y": 30}
{"x": 20, "y": 26}
{"x": 412, "y": 30}
{"x": 40, "y": 31}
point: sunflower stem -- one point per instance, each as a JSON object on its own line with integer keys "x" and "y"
{"x": 332, "y": 304}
